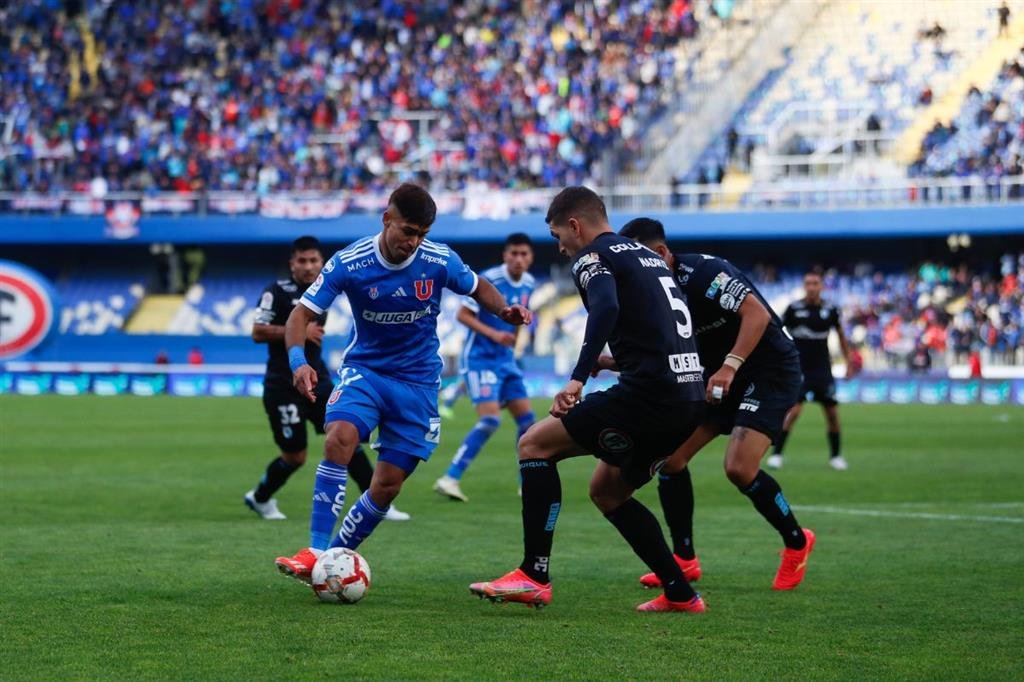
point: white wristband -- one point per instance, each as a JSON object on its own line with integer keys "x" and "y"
{"x": 733, "y": 361}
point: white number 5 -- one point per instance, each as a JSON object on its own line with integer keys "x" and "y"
{"x": 669, "y": 285}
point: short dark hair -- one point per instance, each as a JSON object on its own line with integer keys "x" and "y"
{"x": 644, "y": 230}
{"x": 307, "y": 243}
{"x": 414, "y": 203}
{"x": 576, "y": 201}
{"x": 517, "y": 239}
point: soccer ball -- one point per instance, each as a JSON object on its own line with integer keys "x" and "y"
{"x": 341, "y": 576}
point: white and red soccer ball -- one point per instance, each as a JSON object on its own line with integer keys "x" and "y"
{"x": 341, "y": 576}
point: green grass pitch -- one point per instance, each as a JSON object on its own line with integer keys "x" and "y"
{"x": 127, "y": 553}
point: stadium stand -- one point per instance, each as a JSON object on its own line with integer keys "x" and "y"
{"x": 322, "y": 95}
{"x": 97, "y": 302}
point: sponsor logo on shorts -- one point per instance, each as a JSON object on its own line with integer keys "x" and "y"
{"x": 614, "y": 441}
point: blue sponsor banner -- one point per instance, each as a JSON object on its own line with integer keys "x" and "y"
{"x": 903, "y": 392}
{"x": 964, "y": 393}
{"x": 539, "y": 385}
{"x": 110, "y": 384}
{"x": 933, "y": 392}
{"x": 33, "y": 384}
{"x": 995, "y": 392}
{"x": 71, "y": 384}
{"x": 151, "y": 384}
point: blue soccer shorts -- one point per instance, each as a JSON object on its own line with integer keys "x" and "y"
{"x": 489, "y": 381}
{"x": 405, "y": 414}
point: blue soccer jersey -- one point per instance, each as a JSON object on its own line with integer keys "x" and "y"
{"x": 394, "y": 306}
{"x": 481, "y": 348}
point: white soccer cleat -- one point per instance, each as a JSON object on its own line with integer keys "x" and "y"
{"x": 774, "y": 461}
{"x": 267, "y": 510}
{"x": 449, "y": 487}
{"x": 393, "y": 514}
{"x": 838, "y": 463}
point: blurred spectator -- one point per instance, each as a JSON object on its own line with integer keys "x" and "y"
{"x": 1004, "y": 19}
{"x": 162, "y": 358}
{"x": 195, "y": 356}
{"x": 920, "y": 361}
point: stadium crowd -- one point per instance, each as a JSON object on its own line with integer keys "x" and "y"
{"x": 311, "y": 94}
{"x": 986, "y": 138}
{"x": 947, "y": 313}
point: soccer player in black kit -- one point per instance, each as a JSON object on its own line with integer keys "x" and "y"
{"x": 634, "y": 306}
{"x": 809, "y": 320}
{"x": 752, "y": 372}
{"x": 287, "y": 410}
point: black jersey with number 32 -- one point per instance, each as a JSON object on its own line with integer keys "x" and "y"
{"x": 275, "y": 305}
{"x": 652, "y": 340}
{"x": 715, "y": 289}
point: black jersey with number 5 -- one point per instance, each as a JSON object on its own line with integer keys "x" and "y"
{"x": 715, "y": 289}
{"x": 652, "y": 339}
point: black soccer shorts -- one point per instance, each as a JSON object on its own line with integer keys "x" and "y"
{"x": 820, "y": 389}
{"x": 288, "y": 411}
{"x": 758, "y": 400}
{"x": 629, "y": 430}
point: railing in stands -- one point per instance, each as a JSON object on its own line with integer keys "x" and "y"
{"x": 497, "y": 204}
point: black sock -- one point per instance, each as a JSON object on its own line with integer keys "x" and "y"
{"x": 780, "y": 442}
{"x": 768, "y": 499}
{"x": 542, "y": 500}
{"x": 833, "y": 443}
{"x": 359, "y": 468}
{"x": 676, "y": 494}
{"x": 277, "y": 473}
{"x": 638, "y": 526}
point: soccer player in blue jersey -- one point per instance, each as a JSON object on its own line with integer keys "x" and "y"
{"x": 391, "y": 370}
{"x": 488, "y": 363}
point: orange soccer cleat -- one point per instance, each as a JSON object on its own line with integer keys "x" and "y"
{"x": 299, "y": 566}
{"x": 661, "y": 604}
{"x": 514, "y": 586}
{"x": 690, "y": 568}
{"x": 794, "y": 564}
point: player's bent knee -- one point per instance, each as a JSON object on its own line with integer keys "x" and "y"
{"x": 295, "y": 459}
{"x": 740, "y": 473}
{"x": 341, "y": 441}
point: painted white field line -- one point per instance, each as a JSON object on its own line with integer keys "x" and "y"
{"x": 908, "y": 515}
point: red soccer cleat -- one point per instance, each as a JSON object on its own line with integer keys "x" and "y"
{"x": 299, "y": 566}
{"x": 794, "y": 564}
{"x": 690, "y": 568}
{"x": 661, "y": 604}
{"x": 514, "y": 586}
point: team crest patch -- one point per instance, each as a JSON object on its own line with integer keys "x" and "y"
{"x": 424, "y": 289}
{"x": 374, "y": 292}
{"x": 614, "y": 441}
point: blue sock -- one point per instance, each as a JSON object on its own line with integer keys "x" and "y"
{"x": 470, "y": 447}
{"x": 328, "y": 500}
{"x": 359, "y": 522}
{"x": 523, "y": 423}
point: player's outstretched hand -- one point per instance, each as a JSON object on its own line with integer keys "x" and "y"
{"x": 304, "y": 379}
{"x": 604, "y": 361}
{"x": 719, "y": 384}
{"x": 566, "y": 399}
{"x": 516, "y": 314}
